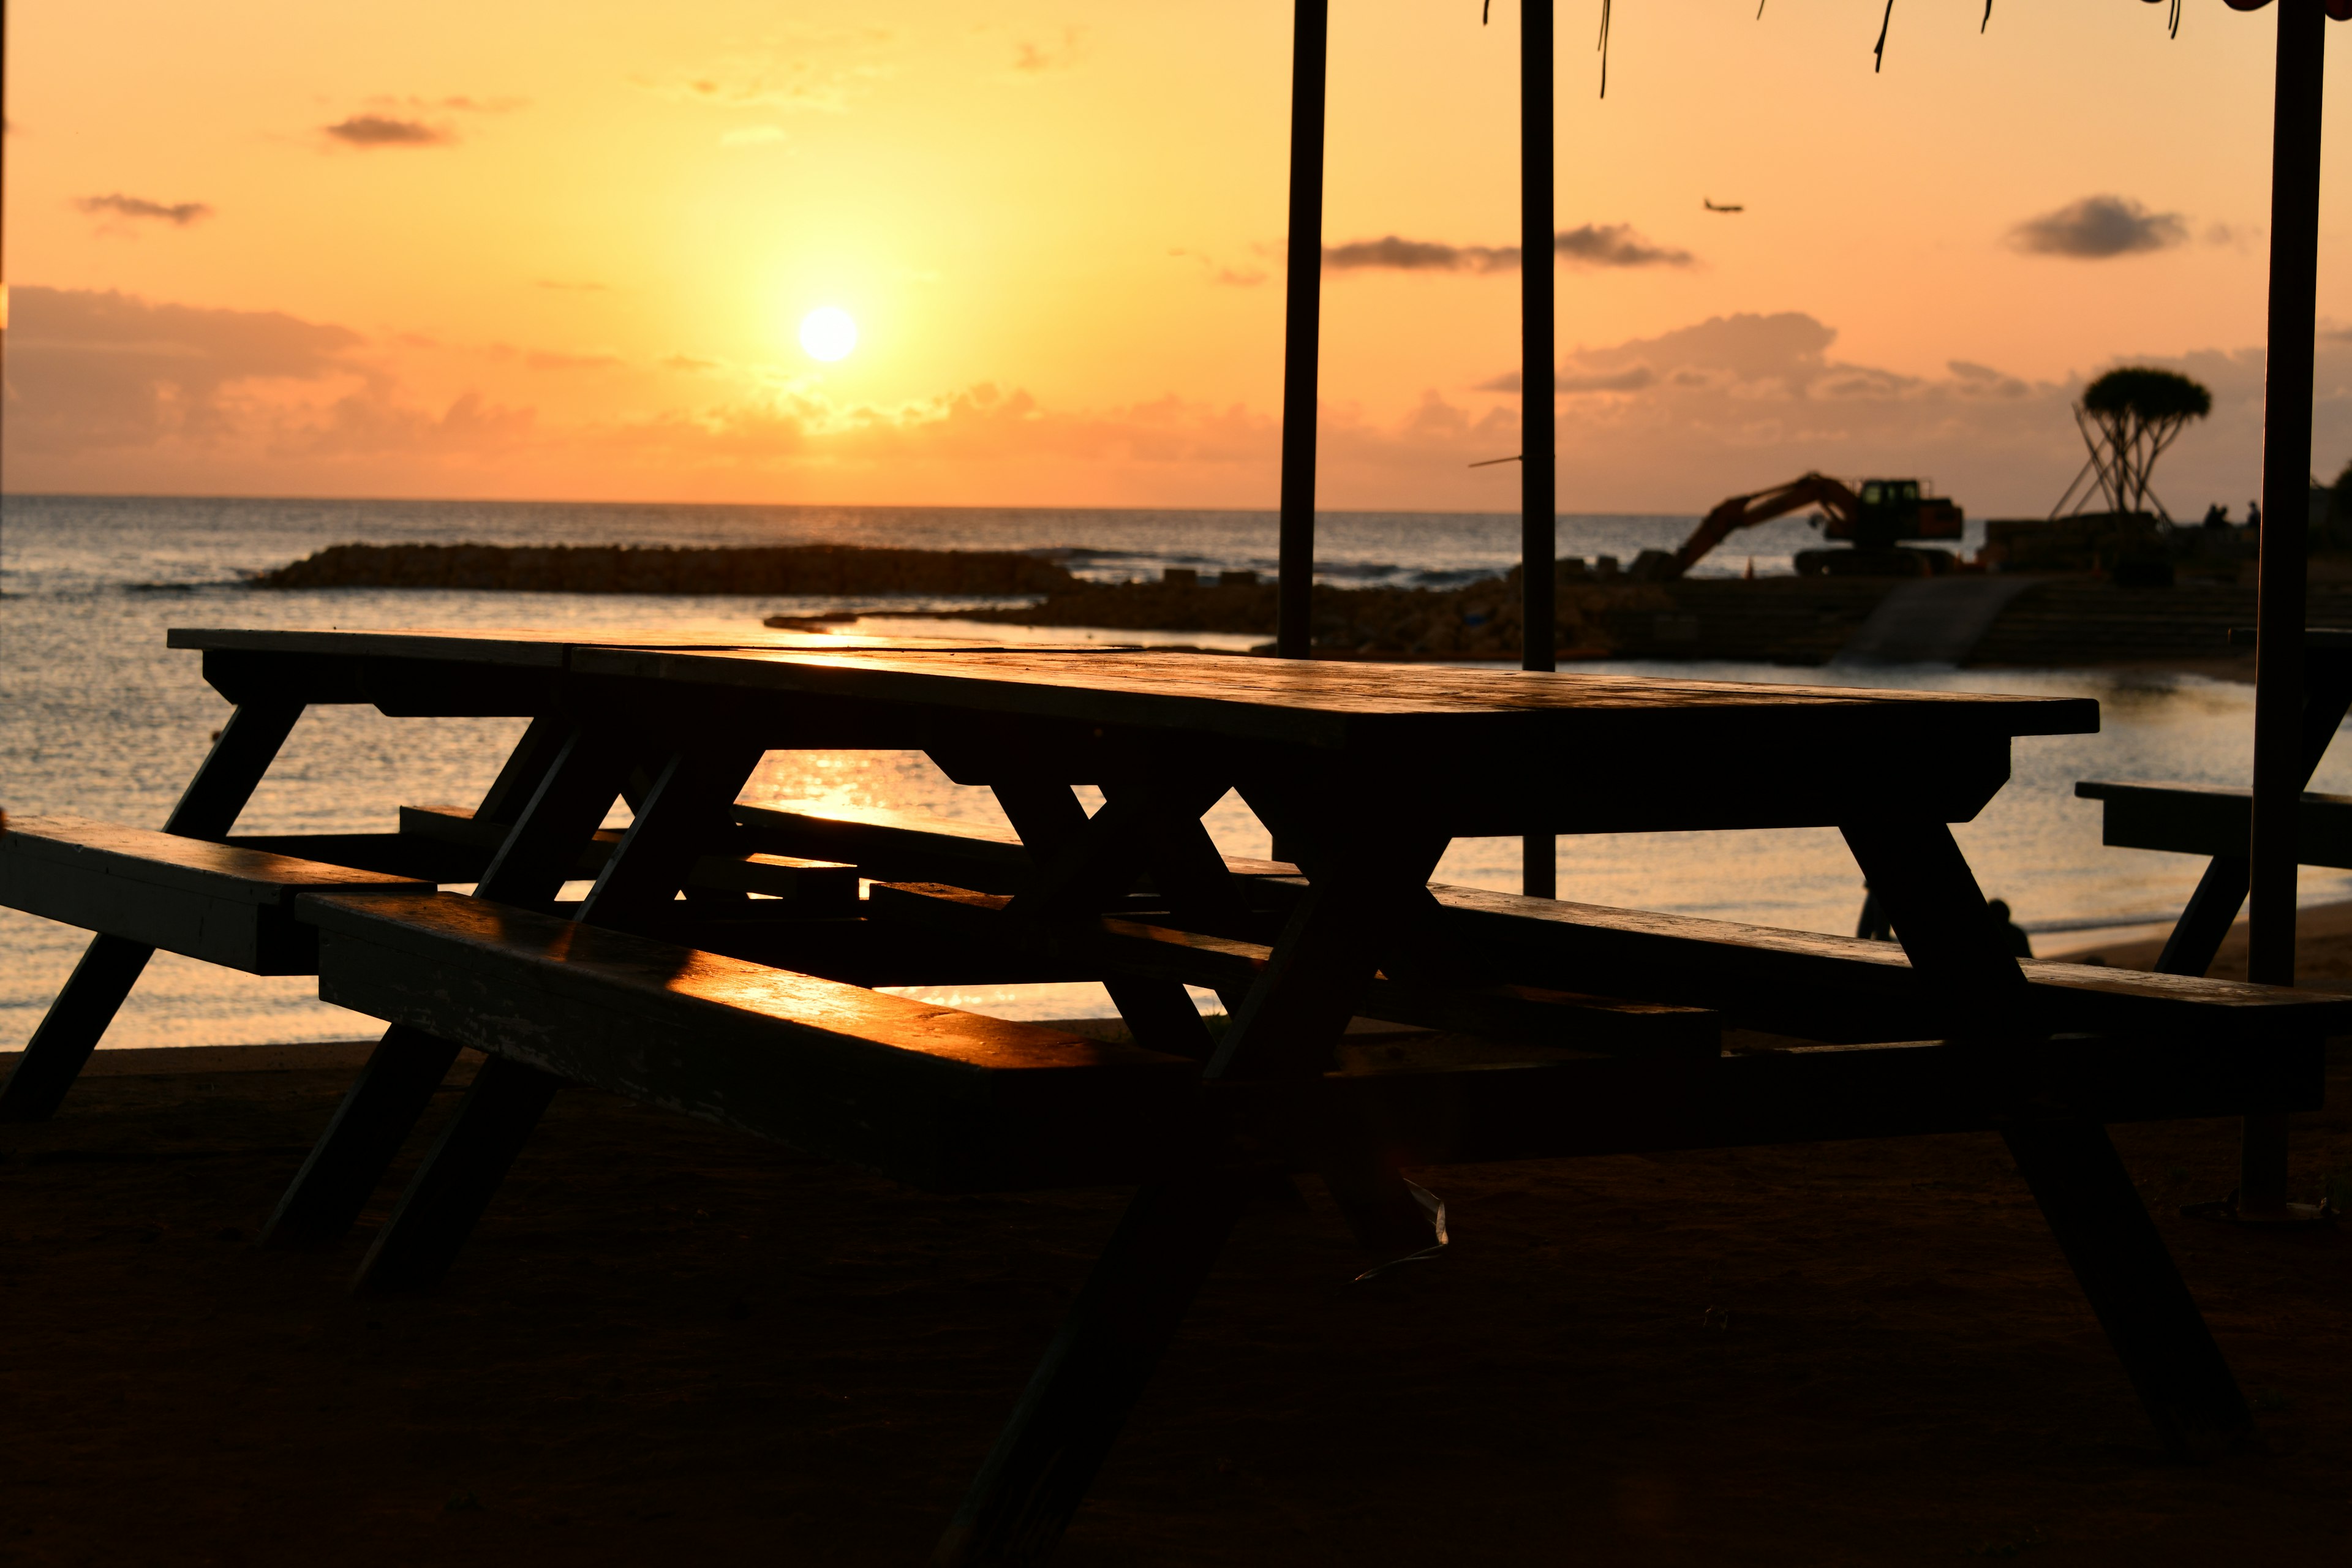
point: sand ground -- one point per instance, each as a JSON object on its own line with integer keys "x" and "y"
{"x": 669, "y": 1343}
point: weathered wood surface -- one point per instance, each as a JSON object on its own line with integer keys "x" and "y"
{"x": 540, "y": 649}
{"x": 908, "y": 845}
{"x": 1551, "y": 1109}
{"x": 1840, "y": 989}
{"x": 2213, "y": 820}
{"x": 79, "y": 1016}
{"x": 1332, "y": 705}
{"x": 810, "y": 884}
{"x": 932, "y": 1095}
{"x": 223, "y": 904}
{"x": 1521, "y": 1015}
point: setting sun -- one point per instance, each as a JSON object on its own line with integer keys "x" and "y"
{"x": 828, "y": 333}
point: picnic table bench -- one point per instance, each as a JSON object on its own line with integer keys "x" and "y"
{"x": 1605, "y": 1015}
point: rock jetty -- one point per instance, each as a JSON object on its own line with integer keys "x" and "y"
{"x": 2053, "y": 621}
{"x": 627, "y": 568}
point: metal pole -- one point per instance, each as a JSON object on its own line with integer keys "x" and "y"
{"x": 1293, "y": 636}
{"x": 2279, "y": 767}
{"x": 1538, "y": 617}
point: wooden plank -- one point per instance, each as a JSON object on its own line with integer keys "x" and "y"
{"x": 812, "y": 883}
{"x": 402, "y": 855}
{"x": 1816, "y": 1094}
{"x": 1519, "y": 1014}
{"x": 2213, "y": 819}
{"x": 927, "y": 1094}
{"x": 79, "y": 1016}
{"x": 211, "y": 902}
{"x": 1840, "y": 989}
{"x": 1341, "y": 706}
{"x": 323, "y": 1202}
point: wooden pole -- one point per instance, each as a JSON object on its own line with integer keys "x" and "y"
{"x": 1538, "y": 490}
{"x": 1302, "y": 329}
{"x": 2279, "y": 767}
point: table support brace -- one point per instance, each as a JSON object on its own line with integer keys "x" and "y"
{"x": 2066, "y": 1158}
{"x": 394, "y": 1090}
{"x": 684, "y": 814}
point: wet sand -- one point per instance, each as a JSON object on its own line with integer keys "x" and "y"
{"x": 671, "y": 1344}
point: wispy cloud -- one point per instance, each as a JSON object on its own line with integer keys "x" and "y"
{"x": 2096, "y": 228}
{"x": 820, "y": 71}
{"x": 371, "y": 130}
{"x": 552, "y": 359}
{"x": 1587, "y": 245}
{"x": 1069, "y": 51}
{"x": 178, "y": 214}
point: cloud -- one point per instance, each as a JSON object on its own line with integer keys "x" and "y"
{"x": 179, "y": 214}
{"x": 1633, "y": 380}
{"x": 820, "y": 70}
{"x": 1069, "y": 52}
{"x": 1587, "y": 245}
{"x": 2099, "y": 226}
{"x": 1219, "y": 273}
{"x": 1615, "y": 245}
{"x": 385, "y": 131}
{"x": 752, "y": 136}
{"x": 550, "y": 359}
{"x": 110, "y": 393}
{"x": 106, "y": 390}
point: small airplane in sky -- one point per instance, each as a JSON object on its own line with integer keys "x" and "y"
{"x": 1734, "y": 207}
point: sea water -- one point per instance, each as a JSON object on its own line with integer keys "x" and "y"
{"x": 98, "y": 719}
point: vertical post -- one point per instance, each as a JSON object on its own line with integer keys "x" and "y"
{"x": 1538, "y": 490}
{"x": 2286, "y": 481}
{"x": 1302, "y": 332}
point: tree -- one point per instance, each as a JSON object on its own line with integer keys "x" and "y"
{"x": 2127, "y": 418}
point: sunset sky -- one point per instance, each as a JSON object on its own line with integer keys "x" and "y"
{"x": 525, "y": 249}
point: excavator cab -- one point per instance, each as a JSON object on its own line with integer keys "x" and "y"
{"x": 1890, "y": 511}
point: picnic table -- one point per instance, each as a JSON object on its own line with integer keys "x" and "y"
{"x": 1365, "y": 774}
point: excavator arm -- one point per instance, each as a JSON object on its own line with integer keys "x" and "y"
{"x": 1762, "y": 506}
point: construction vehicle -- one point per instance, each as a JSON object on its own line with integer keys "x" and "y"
{"x": 1876, "y": 517}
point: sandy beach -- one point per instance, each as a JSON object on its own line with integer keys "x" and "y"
{"x": 670, "y": 1343}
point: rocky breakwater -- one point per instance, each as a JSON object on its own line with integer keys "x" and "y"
{"x": 800, "y": 569}
{"x": 1600, "y": 614}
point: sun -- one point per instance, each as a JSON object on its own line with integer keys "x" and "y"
{"x": 828, "y": 333}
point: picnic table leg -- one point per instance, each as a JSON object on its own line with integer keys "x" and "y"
{"x": 2205, "y": 923}
{"x": 1136, "y": 1297}
{"x": 685, "y": 812}
{"x": 111, "y": 965}
{"x": 2066, "y": 1158}
{"x": 560, "y": 810}
{"x": 1083, "y": 863}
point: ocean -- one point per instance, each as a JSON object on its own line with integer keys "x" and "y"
{"x": 98, "y": 719}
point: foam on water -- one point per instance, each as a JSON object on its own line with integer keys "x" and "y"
{"x": 98, "y": 718}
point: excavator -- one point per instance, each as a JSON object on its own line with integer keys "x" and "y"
{"x": 1875, "y": 517}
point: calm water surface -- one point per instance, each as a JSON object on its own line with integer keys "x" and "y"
{"x": 98, "y": 718}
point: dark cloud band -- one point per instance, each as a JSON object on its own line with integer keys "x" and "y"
{"x": 181, "y": 214}
{"x": 1589, "y": 245}
{"x": 385, "y": 131}
{"x": 2099, "y": 226}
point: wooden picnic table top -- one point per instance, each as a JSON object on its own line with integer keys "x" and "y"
{"x": 538, "y": 649}
{"x": 1340, "y": 705}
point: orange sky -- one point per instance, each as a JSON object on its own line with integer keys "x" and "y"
{"x": 563, "y": 250}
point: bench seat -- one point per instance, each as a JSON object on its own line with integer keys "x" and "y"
{"x": 1515, "y": 1014}
{"x": 1844, "y": 990}
{"x": 223, "y": 904}
{"x": 2213, "y": 819}
{"x": 944, "y": 1100}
